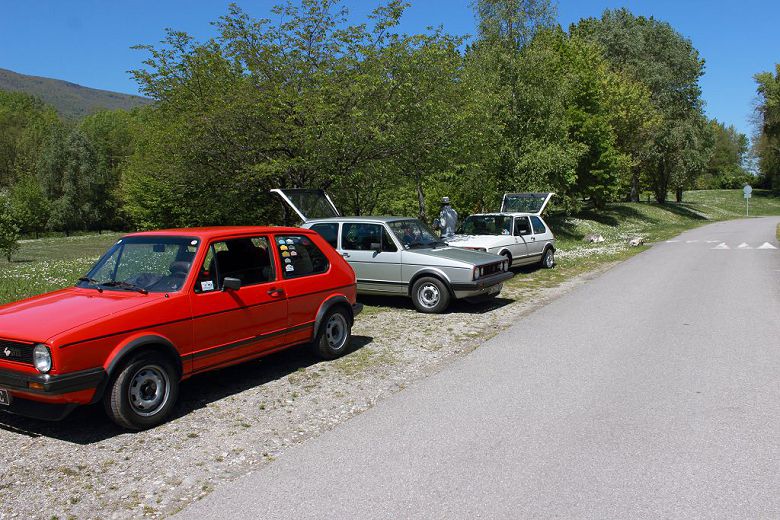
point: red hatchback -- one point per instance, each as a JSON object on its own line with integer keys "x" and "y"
{"x": 161, "y": 306}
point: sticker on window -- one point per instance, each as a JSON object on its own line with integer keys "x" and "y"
{"x": 283, "y": 248}
{"x": 285, "y": 254}
{"x": 207, "y": 286}
{"x": 289, "y": 268}
{"x": 289, "y": 241}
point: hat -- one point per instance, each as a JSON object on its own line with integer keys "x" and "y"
{"x": 445, "y": 200}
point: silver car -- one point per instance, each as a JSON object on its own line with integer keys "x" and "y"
{"x": 401, "y": 255}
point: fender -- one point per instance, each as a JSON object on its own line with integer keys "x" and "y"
{"x": 328, "y": 305}
{"x": 121, "y": 352}
{"x": 430, "y": 271}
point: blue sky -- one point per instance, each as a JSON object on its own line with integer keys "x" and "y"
{"x": 88, "y": 41}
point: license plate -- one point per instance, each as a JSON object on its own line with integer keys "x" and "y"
{"x": 5, "y": 397}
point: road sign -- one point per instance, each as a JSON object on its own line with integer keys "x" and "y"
{"x": 747, "y": 190}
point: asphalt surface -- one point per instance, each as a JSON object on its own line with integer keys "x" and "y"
{"x": 650, "y": 392}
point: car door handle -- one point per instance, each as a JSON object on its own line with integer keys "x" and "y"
{"x": 345, "y": 255}
{"x": 533, "y": 239}
{"x": 275, "y": 292}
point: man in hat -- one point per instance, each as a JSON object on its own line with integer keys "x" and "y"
{"x": 448, "y": 219}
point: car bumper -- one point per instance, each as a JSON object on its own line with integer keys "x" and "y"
{"x": 47, "y": 384}
{"x": 488, "y": 285}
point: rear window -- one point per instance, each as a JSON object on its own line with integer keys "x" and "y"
{"x": 329, "y": 231}
{"x": 539, "y": 228}
{"x": 299, "y": 256}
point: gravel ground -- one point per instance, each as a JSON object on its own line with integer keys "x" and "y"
{"x": 235, "y": 420}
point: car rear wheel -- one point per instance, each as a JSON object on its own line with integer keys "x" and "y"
{"x": 144, "y": 392}
{"x": 430, "y": 295}
{"x": 334, "y": 335}
{"x": 548, "y": 258}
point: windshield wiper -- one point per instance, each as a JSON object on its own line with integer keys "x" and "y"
{"x": 125, "y": 285}
{"x": 92, "y": 282}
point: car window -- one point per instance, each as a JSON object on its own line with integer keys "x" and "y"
{"x": 522, "y": 226}
{"x": 248, "y": 259}
{"x": 299, "y": 256}
{"x": 486, "y": 225}
{"x": 360, "y": 237}
{"x": 329, "y": 231}
{"x": 538, "y": 226}
{"x": 151, "y": 263}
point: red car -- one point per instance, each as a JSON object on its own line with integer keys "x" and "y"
{"x": 161, "y": 306}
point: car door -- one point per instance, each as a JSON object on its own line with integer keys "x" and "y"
{"x": 522, "y": 229}
{"x": 538, "y": 240}
{"x": 372, "y": 252}
{"x": 230, "y": 325}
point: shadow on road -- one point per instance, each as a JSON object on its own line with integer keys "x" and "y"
{"x": 89, "y": 424}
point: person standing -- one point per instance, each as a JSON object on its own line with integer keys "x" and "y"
{"x": 448, "y": 219}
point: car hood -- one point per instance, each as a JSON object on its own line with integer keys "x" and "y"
{"x": 456, "y": 255}
{"x": 40, "y": 318}
{"x": 486, "y": 241}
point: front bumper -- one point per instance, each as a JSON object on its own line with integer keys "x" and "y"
{"x": 481, "y": 286}
{"x": 357, "y": 308}
{"x": 48, "y": 384}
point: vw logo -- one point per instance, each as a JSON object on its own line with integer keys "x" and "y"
{"x": 7, "y": 352}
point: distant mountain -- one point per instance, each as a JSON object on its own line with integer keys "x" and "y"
{"x": 69, "y": 99}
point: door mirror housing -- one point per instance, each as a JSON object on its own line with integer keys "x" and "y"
{"x": 232, "y": 284}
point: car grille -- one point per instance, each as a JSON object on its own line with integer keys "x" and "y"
{"x": 491, "y": 269}
{"x": 15, "y": 351}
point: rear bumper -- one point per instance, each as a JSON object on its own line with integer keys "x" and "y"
{"x": 46, "y": 384}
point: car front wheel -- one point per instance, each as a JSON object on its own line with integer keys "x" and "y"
{"x": 143, "y": 393}
{"x": 430, "y": 295}
{"x": 334, "y": 335}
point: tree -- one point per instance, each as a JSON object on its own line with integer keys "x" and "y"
{"x": 29, "y": 204}
{"x": 654, "y": 54}
{"x": 725, "y": 168}
{"x": 9, "y": 229}
{"x": 768, "y": 112}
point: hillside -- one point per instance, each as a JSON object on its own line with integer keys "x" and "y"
{"x": 70, "y": 99}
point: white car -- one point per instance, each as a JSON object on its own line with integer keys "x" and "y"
{"x": 517, "y": 232}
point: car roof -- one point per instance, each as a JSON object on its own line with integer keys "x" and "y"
{"x": 367, "y": 219}
{"x": 505, "y": 215}
{"x": 206, "y": 233}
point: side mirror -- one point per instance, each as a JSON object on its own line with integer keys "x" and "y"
{"x": 233, "y": 284}
{"x": 376, "y": 246}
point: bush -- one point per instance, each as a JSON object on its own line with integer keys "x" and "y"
{"x": 9, "y": 230}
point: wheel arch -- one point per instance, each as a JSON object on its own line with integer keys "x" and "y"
{"x": 332, "y": 302}
{"x": 432, "y": 273}
{"x": 145, "y": 343}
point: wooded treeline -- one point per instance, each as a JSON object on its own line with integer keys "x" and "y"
{"x": 386, "y": 122}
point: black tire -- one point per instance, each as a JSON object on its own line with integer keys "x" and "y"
{"x": 333, "y": 338}
{"x": 508, "y": 256}
{"x": 548, "y": 258}
{"x": 143, "y": 393}
{"x": 430, "y": 295}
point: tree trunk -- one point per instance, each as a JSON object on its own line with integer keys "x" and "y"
{"x": 661, "y": 182}
{"x": 678, "y": 194}
{"x": 421, "y": 201}
{"x": 634, "y": 196}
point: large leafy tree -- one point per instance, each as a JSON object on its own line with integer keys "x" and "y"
{"x": 653, "y": 53}
{"x": 768, "y": 111}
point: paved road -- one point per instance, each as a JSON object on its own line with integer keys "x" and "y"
{"x": 651, "y": 392}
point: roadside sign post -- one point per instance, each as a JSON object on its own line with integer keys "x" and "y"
{"x": 747, "y": 190}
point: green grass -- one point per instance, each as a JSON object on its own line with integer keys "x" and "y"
{"x": 50, "y": 263}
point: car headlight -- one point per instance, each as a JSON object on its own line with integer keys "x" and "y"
{"x": 42, "y": 358}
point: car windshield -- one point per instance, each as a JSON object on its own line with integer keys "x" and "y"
{"x": 143, "y": 264}
{"x": 414, "y": 233}
{"x": 486, "y": 225}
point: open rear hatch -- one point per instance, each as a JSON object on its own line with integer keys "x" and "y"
{"x": 308, "y": 204}
{"x": 533, "y": 203}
